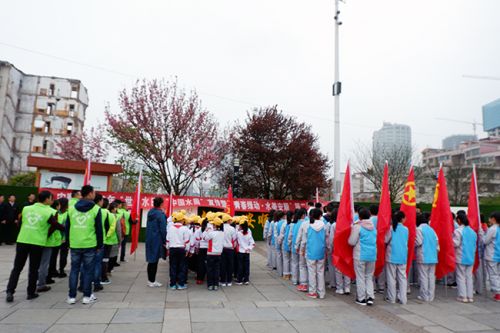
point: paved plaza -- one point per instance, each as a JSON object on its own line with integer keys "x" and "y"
{"x": 268, "y": 305}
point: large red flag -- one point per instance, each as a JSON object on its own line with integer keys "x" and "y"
{"x": 135, "y": 214}
{"x": 383, "y": 221}
{"x": 170, "y": 206}
{"x": 473, "y": 210}
{"x": 342, "y": 254}
{"x": 230, "y": 202}
{"x": 88, "y": 174}
{"x": 441, "y": 222}
{"x": 409, "y": 207}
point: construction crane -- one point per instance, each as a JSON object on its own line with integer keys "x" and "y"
{"x": 473, "y": 123}
{"x": 481, "y": 77}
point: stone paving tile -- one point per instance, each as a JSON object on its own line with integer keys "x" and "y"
{"x": 365, "y": 325}
{"x": 176, "y": 314}
{"x": 77, "y": 328}
{"x": 23, "y": 328}
{"x": 254, "y": 314}
{"x": 271, "y": 304}
{"x": 210, "y": 304}
{"x": 83, "y": 316}
{"x": 492, "y": 320}
{"x": 138, "y": 316}
{"x": 458, "y": 323}
{"x": 302, "y": 304}
{"x": 34, "y": 316}
{"x": 176, "y": 305}
{"x": 146, "y": 305}
{"x": 301, "y": 313}
{"x": 323, "y": 326}
{"x": 268, "y": 327}
{"x": 212, "y": 315}
{"x": 416, "y": 320}
{"x": 219, "y": 327}
{"x": 149, "y": 297}
{"x": 239, "y": 304}
{"x": 133, "y": 328}
{"x": 111, "y": 296}
{"x": 176, "y": 326}
{"x": 110, "y": 305}
{"x": 436, "y": 329}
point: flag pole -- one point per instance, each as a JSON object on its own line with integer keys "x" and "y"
{"x": 138, "y": 219}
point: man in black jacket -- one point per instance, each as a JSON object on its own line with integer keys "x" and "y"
{"x": 11, "y": 211}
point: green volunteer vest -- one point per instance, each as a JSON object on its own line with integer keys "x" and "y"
{"x": 82, "y": 228}
{"x": 126, "y": 215}
{"x": 113, "y": 239}
{"x": 72, "y": 202}
{"x": 56, "y": 238}
{"x": 35, "y": 226}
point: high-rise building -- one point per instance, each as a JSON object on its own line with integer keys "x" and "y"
{"x": 392, "y": 136}
{"x": 452, "y": 142}
{"x": 34, "y": 112}
{"x": 491, "y": 118}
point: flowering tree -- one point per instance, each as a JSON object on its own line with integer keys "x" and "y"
{"x": 90, "y": 144}
{"x": 279, "y": 157}
{"x": 169, "y": 131}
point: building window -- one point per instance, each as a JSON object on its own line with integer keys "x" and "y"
{"x": 39, "y": 125}
{"x": 52, "y": 89}
{"x": 43, "y": 91}
{"x": 421, "y": 190}
{"x": 72, "y": 110}
{"x": 69, "y": 128}
{"x": 74, "y": 91}
{"x": 37, "y": 149}
{"x": 45, "y": 144}
{"x": 41, "y": 111}
{"x": 47, "y": 127}
{"x": 51, "y": 107}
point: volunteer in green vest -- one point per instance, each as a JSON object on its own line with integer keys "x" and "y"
{"x": 110, "y": 238}
{"x": 127, "y": 222}
{"x": 75, "y": 196}
{"x": 99, "y": 201}
{"x": 84, "y": 234}
{"x": 36, "y": 223}
{"x": 61, "y": 250}
{"x": 53, "y": 241}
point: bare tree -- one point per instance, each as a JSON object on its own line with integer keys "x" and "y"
{"x": 370, "y": 163}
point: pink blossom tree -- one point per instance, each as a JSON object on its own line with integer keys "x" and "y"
{"x": 89, "y": 144}
{"x": 167, "y": 130}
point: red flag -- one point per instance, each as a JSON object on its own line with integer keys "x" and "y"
{"x": 135, "y": 214}
{"x": 342, "y": 255}
{"x": 230, "y": 202}
{"x": 441, "y": 222}
{"x": 409, "y": 207}
{"x": 317, "y": 195}
{"x": 473, "y": 210}
{"x": 383, "y": 221}
{"x": 170, "y": 206}
{"x": 88, "y": 174}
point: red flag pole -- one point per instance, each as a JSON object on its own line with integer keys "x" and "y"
{"x": 136, "y": 215}
{"x": 409, "y": 207}
{"x": 383, "y": 221}
{"x": 473, "y": 212}
{"x": 88, "y": 174}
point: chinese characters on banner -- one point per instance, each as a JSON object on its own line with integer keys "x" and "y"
{"x": 185, "y": 202}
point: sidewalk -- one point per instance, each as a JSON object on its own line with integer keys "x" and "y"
{"x": 268, "y": 305}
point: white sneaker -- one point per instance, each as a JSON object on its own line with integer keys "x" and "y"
{"x": 229, "y": 284}
{"x": 339, "y": 291}
{"x": 71, "y": 301}
{"x": 223, "y": 285}
{"x": 155, "y": 284}
{"x": 89, "y": 300}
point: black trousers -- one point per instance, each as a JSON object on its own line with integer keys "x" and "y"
{"x": 226, "y": 267}
{"x": 213, "y": 270}
{"x": 123, "y": 248}
{"x": 243, "y": 267}
{"x": 202, "y": 265}
{"x": 62, "y": 252}
{"x": 23, "y": 251}
{"x": 152, "y": 269}
{"x": 105, "y": 262}
{"x": 3, "y": 233}
{"x": 177, "y": 258}
{"x": 10, "y": 229}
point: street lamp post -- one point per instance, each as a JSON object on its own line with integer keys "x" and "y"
{"x": 337, "y": 89}
{"x": 236, "y": 174}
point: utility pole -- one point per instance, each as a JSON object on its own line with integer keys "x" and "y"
{"x": 337, "y": 89}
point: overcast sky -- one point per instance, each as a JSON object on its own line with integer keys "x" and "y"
{"x": 401, "y": 61}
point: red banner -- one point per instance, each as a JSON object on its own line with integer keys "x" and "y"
{"x": 181, "y": 202}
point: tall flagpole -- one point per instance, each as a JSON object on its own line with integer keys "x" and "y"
{"x": 337, "y": 88}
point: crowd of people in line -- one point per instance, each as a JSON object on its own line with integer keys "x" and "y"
{"x": 300, "y": 247}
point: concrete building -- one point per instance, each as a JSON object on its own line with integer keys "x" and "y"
{"x": 452, "y": 142}
{"x": 362, "y": 188}
{"x": 392, "y": 136}
{"x": 491, "y": 118}
{"x": 34, "y": 112}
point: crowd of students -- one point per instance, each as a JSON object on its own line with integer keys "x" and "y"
{"x": 216, "y": 247}
{"x": 300, "y": 247}
{"x": 87, "y": 226}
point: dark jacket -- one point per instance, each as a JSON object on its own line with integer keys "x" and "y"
{"x": 11, "y": 212}
{"x": 156, "y": 235}
{"x": 84, "y": 205}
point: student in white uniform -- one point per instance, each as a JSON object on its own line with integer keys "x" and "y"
{"x": 427, "y": 248}
{"x": 202, "y": 252}
{"x": 314, "y": 245}
{"x": 227, "y": 259}
{"x": 298, "y": 219}
{"x": 246, "y": 244}
{"x": 285, "y": 245}
{"x": 396, "y": 256}
{"x": 178, "y": 237}
{"x": 363, "y": 238}
{"x": 303, "y": 276}
{"x": 266, "y": 235}
{"x": 464, "y": 240}
{"x": 214, "y": 235}
{"x": 492, "y": 254}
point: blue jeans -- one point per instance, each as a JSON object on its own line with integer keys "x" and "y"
{"x": 82, "y": 259}
{"x": 98, "y": 267}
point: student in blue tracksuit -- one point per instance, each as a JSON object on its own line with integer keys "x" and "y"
{"x": 298, "y": 219}
{"x": 363, "y": 238}
{"x": 285, "y": 245}
{"x": 492, "y": 254}
{"x": 279, "y": 218}
{"x": 427, "y": 248}
{"x": 267, "y": 238}
{"x": 396, "y": 256}
{"x": 465, "y": 241}
{"x": 314, "y": 245}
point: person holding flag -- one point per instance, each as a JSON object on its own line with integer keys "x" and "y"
{"x": 465, "y": 242}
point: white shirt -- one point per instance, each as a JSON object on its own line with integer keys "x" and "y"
{"x": 229, "y": 236}
{"x": 245, "y": 242}
{"x": 215, "y": 239}
{"x": 178, "y": 236}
